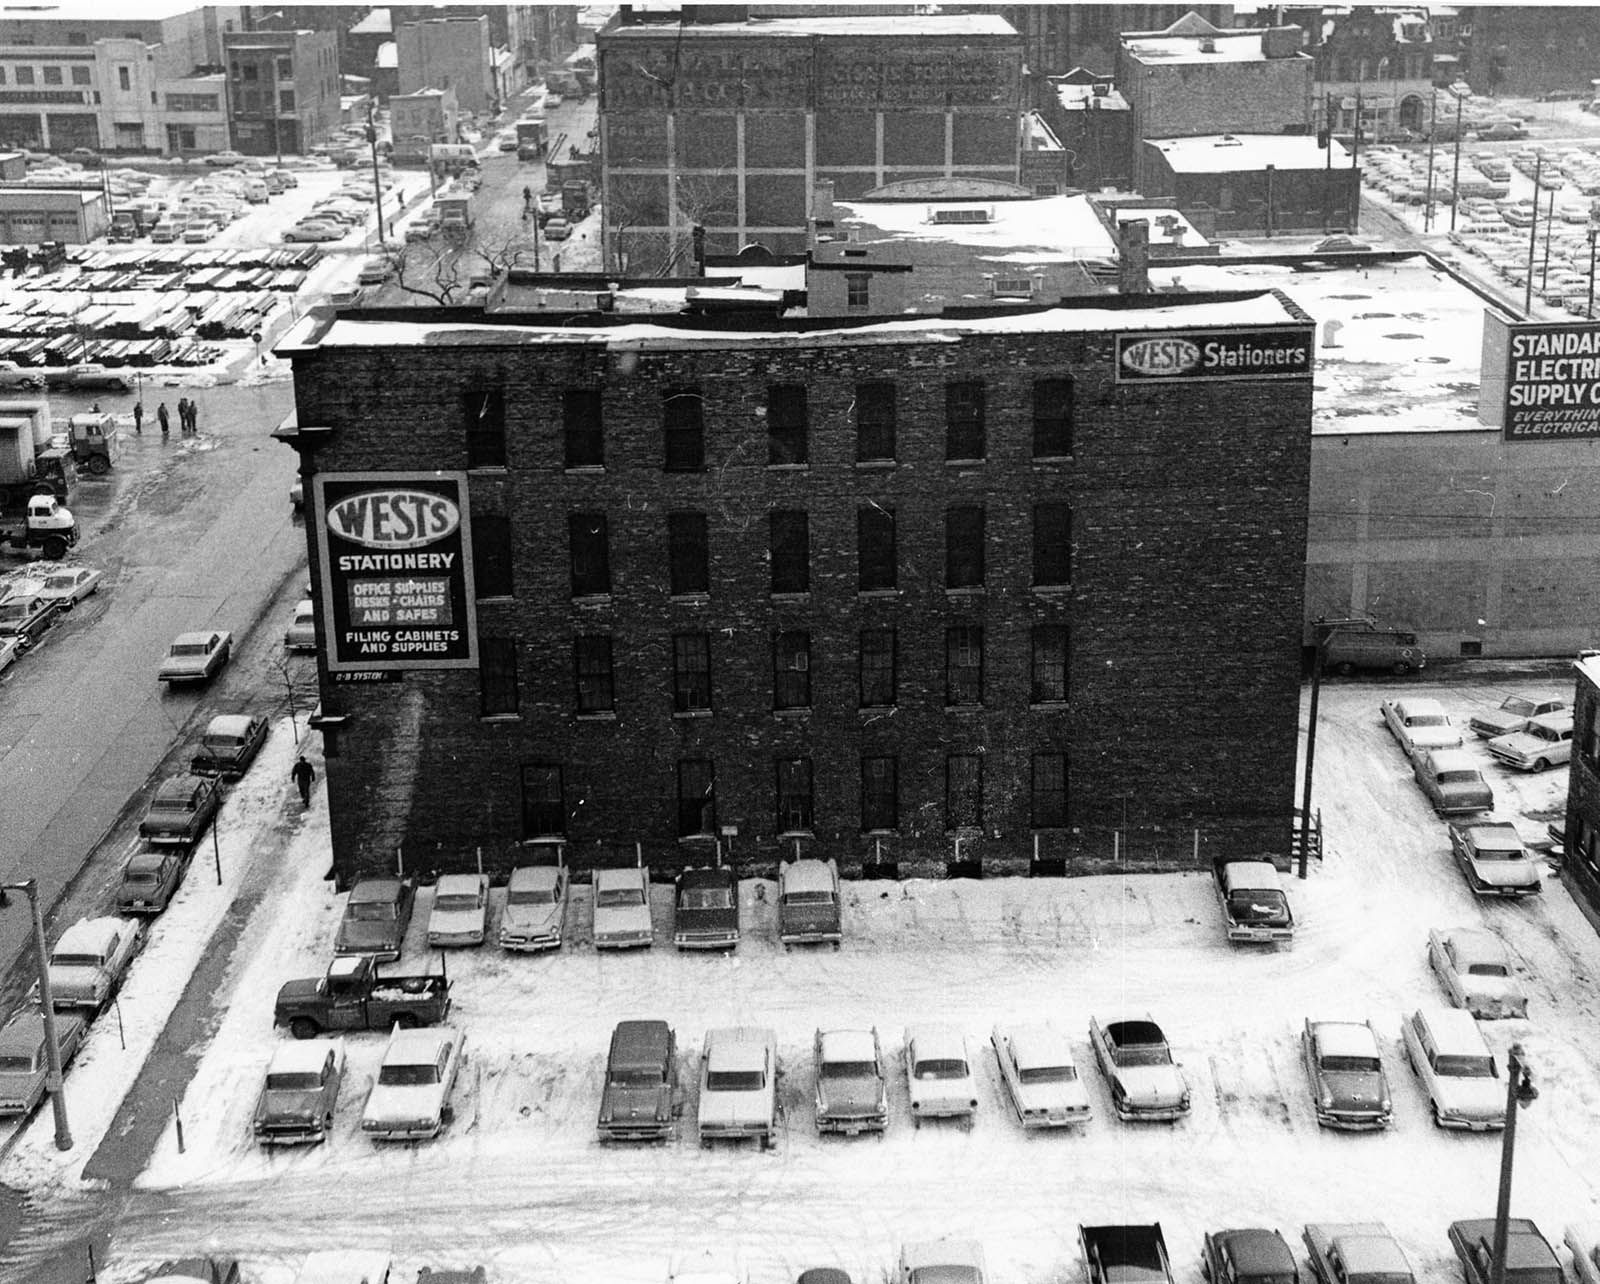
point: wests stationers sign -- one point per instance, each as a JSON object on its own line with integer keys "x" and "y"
{"x": 397, "y": 587}
{"x": 1194, "y": 356}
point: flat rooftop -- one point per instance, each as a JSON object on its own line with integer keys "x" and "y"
{"x": 1053, "y": 228}
{"x": 898, "y": 26}
{"x": 1247, "y": 153}
{"x": 1226, "y": 46}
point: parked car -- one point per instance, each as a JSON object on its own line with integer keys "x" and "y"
{"x": 67, "y": 588}
{"x": 85, "y": 378}
{"x": 1494, "y": 860}
{"x": 411, "y": 1099}
{"x": 1543, "y": 743}
{"x": 89, "y": 961}
{"x": 1475, "y": 970}
{"x": 150, "y": 879}
{"x": 1248, "y": 1256}
{"x": 739, "y": 1085}
{"x": 1529, "y": 1258}
{"x": 315, "y": 230}
{"x": 1339, "y": 243}
{"x": 14, "y": 376}
{"x": 25, "y": 1057}
{"x": 808, "y": 902}
{"x": 706, "y": 909}
{"x": 422, "y": 229}
{"x": 1356, "y": 1253}
{"x": 639, "y": 1100}
{"x": 535, "y": 916}
{"x": 622, "y": 908}
{"x": 180, "y": 810}
{"x": 230, "y": 744}
{"x": 347, "y": 1266}
{"x": 1452, "y": 782}
{"x": 1420, "y": 724}
{"x": 941, "y": 1261}
{"x": 300, "y": 1093}
{"x": 375, "y": 918}
{"x": 1349, "y": 1088}
{"x": 460, "y": 912}
{"x": 1127, "y": 1254}
{"x": 26, "y": 619}
{"x": 852, "y": 1093}
{"x": 1145, "y": 1082}
{"x": 301, "y": 635}
{"x": 196, "y": 657}
{"x": 557, "y": 229}
{"x": 1040, "y": 1077}
{"x": 939, "y": 1074}
{"x": 1446, "y": 1051}
{"x": 1255, "y": 909}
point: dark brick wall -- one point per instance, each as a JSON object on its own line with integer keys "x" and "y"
{"x": 1188, "y": 570}
{"x": 1581, "y": 867}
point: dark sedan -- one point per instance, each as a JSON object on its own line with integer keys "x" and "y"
{"x": 1247, "y": 1257}
{"x": 706, "y": 910}
{"x": 181, "y": 810}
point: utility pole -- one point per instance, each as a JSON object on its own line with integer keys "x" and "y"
{"x": 1533, "y": 238}
{"x": 372, "y": 141}
{"x": 1433, "y": 116}
{"x": 1549, "y": 222}
{"x": 1593, "y": 228}
{"x": 1455, "y": 174}
{"x": 52, "y": 1047}
{"x": 1327, "y": 161}
{"x": 1519, "y": 1092}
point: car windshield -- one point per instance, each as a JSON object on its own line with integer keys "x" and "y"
{"x": 734, "y": 1080}
{"x": 705, "y": 898}
{"x": 408, "y": 1076}
{"x": 636, "y": 1078}
{"x": 370, "y": 913}
{"x": 942, "y": 1068}
{"x": 293, "y": 1081}
{"x": 1488, "y": 969}
{"x": 459, "y": 901}
{"x": 808, "y": 898}
{"x": 60, "y": 581}
{"x": 849, "y": 1070}
{"x": 532, "y": 896}
{"x": 15, "y": 611}
{"x": 1499, "y": 853}
{"x": 1351, "y": 1065}
{"x": 1427, "y": 720}
{"x": 615, "y": 897}
{"x": 1047, "y": 1074}
{"x": 1518, "y": 706}
{"x": 75, "y": 960}
{"x": 1545, "y": 733}
{"x": 1465, "y": 1066}
{"x": 1463, "y": 777}
{"x": 16, "y": 1065}
{"x": 1143, "y": 1054}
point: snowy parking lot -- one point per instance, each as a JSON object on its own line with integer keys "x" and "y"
{"x": 519, "y": 1182}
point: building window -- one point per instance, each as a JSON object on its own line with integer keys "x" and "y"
{"x": 580, "y": 420}
{"x": 963, "y": 420}
{"x": 791, "y": 670}
{"x": 688, "y": 557}
{"x": 1052, "y": 545}
{"x": 544, "y": 812}
{"x": 486, "y": 427}
{"x": 858, "y": 291}
{"x": 794, "y": 795}
{"x": 52, "y": 75}
{"x": 491, "y": 555}
{"x": 1049, "y": 808}
{"x": 875, "y": 407}
{"x": 3, "y": 75}
{"x": 786, "y": 424}
{"x": 963, "y": 548}
{"x": 963, "y": 791}
{"x": 790, "y": 552}
{"x": 286, "y": 100}
{"x": 591, "y": 556}
{"x": 880, "y": 794}
{"x": 878, "y": 678}
{"x": 683, "y": 423}
{"x": 80, "y": 76}
{"x": 1589, "y": 738}
{"x": 963, "y": 664}
{"x": 77, "y": 37}
{"x": 1052, "y": 418}
{"x": 1049, "y": 664}
{"x": 497, "y": 676}
{"x": 591, "y": 663}
{"x": 691, "y": 672}
{"x": 25, "y": 75}
{"x": 697, "y": 798}
{"x": 876, "y": 564}
{"x": 124, "y": 78}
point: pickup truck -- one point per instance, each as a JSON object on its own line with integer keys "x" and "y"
{"x": 1355, "y": 1253}
{"x": 1125, "y": 1254}
{"x": 1529, "y": 1257}
{"x": 352, "y": 996}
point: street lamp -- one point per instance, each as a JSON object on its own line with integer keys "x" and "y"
{"x": 52, "y": 1048}
{"x": 1519, "y": 1092}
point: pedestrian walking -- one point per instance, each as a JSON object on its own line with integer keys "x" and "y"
{"x": 138, "y": 417}
{"x": 165, "y": 417}
{"x": 194, "y": 415}
{"x": 304, "y": 773}
{"x": 184, "y": 409}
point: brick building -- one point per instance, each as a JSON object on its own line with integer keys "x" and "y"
{"x": 283, "y": 89}
{"x": 1262, "y": 185}
{"x": 1582, "y": 868}
{"x": 450, "y": 53}
{"x": 1379, "y": 57}
{"x": 1031, "y": 581}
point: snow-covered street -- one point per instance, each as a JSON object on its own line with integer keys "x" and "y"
{"x": 520, "y": 1184}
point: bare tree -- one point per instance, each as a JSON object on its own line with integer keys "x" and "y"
{"x": 445, "y": 269}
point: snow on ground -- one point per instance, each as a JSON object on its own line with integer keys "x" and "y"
{"x": 104, "y": 1069}
{"x": 520, "y": 1184}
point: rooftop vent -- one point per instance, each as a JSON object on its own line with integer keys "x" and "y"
{"x": 1100, "y": 88}
{"x": 968, "y": 214}
{"x": 1208, "y": 44}
{"x": 1228, "y": 140}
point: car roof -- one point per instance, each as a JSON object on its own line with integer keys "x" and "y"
{"x": 458, "y": 885}
{"x": 739, "y": 1047}
{"x": 1452, "y": 760}
{"x": 935, "y": 1040}
{"x": 229, "y": 724}
{"x": 1135, "y": 1029}
{"x": 194, "y": 639}
{"x": 706, "y": 876}
{"x": 1256, "y": 875}
{"x": 526, "y": 878}
{"x": 806, "y": 876}
{"x": 345, "y": 966}
{"x": 420, "y": 1044}
{"x": 90, "y": 935}
{"x": 641, "y": 1040}
{"x": 301, "y": 1056}
{"x": 1345, "y": 1039}
{"x": 1418, "y": 704}
{"x": 1454, "y": 1030}
{"x": 375, "y": 889}
{"x": 149, "y": 858}
{"x": 1256, "y": 1251}
{"x": 1500, "y": 833}
{"x": 1471, "y": 945}
{"x": 1038, "y": 1045}
{"x": 919, "y": 1253}
{"x": 1372, "y": 1254}
{"x": 849, "y": 1045}
{"x": 179, "y": 786}
{"x": 1556, "y": 720}
{"x": 627, "y": 876}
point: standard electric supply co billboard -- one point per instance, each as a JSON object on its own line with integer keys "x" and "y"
{"x": 1540, "y": 380}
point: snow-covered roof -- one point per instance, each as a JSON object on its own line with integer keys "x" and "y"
{"x": 378, "y": 22}
{"x": 90, "y": 935}
{"x": 1039, "y": 1046}
{"x": 807, "y": 876}
{"x": 849, "y": 1045}
{"x": 528, "y": 878}
{"x": 899, "y": 27}
{"x": 1235, "y": 153}
{"x": 344, "y": 966}
{"x": 457, "y": 885}
{"x": 1162, "y": 223}
{"x": 228, "y": 724}
{"x": 934, "y": 1041}
{"x": 1060, "y": 227}
{"x": 1472, "y": 946}
{"x": 1589, "y": 667}
{"x": 300, "y": 1056}
{"x": 738, "y": 1047}
{"x": 411, "y": 1047}
{"x": 1226, "y": 46}
{"x": 1346, "y": 1039}
{"x": 1073, "y": 97}
{"x": 1040, "y": 137}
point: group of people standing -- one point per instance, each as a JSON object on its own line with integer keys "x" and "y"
{"x": 188, "y": 417}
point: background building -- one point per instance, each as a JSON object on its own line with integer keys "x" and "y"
{"x": 1058, "y": 37}
{"x": 450, "y": 53}
{"x": 1581, "y": 869}
{"x": 73, "y": 216}
{"x": 283, "y": 89}
{"x": 1255, "y": 185}
{"x": 418, "y": 120}
{"x": 865, "y": 588}
{"x": 728, "y": 125}
{"x": 1377, "y": 58}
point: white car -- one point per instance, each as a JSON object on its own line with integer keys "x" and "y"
{"x": 301, "y": 635}
{"x": 622, "y": 908}
{"x": 1543, "y": 743}
{"x": 1583, "y": 1239}
{"x": 1512, "y": 715}
{"x": 941, "y": 1261}
{"x": 69, "y": 587}
{"x": 1146, "y": 1084}
{"x": 939, "y": 1074}
{"x": 1476, "y": 972}
{"x": 1419, "y": 724}
{"x": 739, "y": 1085}
{"x": 460, "y": 910}
{"x": 1446, "y": 1050}
{"x": 10, "y": 649}
{"x": 90, "y": 960}
{"x": 535, "y": 915}
{"x": 410, "y": 1101}
{"x": 1040, "y": 1076}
